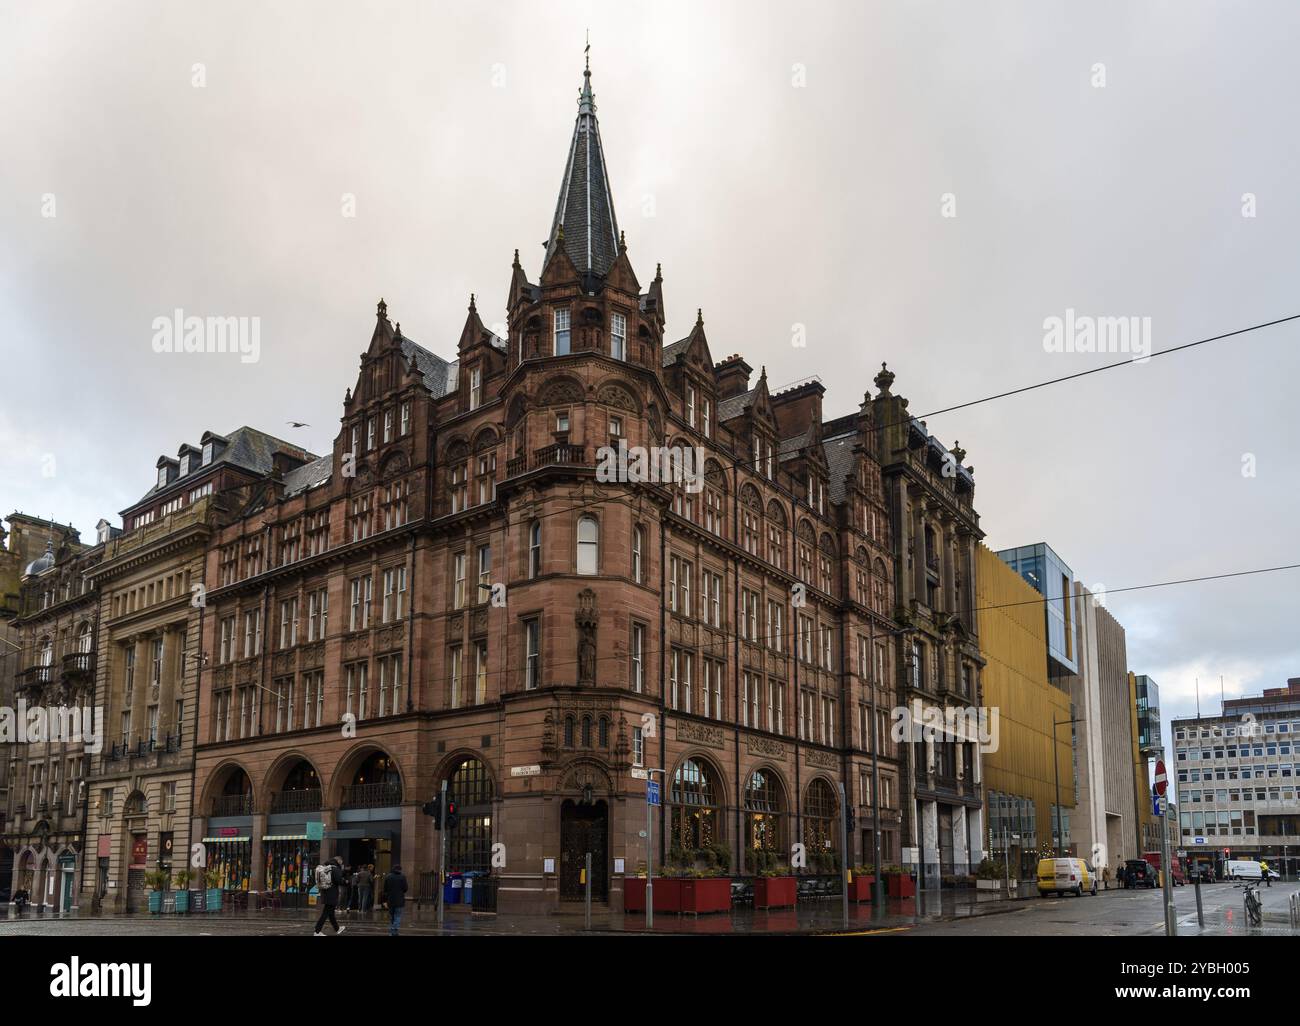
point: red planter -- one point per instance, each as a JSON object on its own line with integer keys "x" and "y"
{"x": 860, "y": 888}
{"x": 667, "y": 890}
{"x": 710, "y": 894}
{"x": 899, "y": 885}
{"x": 774, "y": 892}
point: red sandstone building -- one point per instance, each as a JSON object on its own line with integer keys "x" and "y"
{"x": 453, "y": 594}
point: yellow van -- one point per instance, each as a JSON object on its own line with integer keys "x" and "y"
{"x": 1065, "y": 876}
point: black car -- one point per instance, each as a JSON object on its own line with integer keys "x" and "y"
{"x": 1139, "y": 873}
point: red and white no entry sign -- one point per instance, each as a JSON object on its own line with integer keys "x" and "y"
{"x": 1161, "y": 780}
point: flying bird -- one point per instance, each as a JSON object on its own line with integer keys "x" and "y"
{"x": 296, "y": 423}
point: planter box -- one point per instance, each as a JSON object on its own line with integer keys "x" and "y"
{"x": 861, "y": 887}
{"x": 155, "y": 902}
{"x": 709, "y": 894}
{"x": 774, "y": 892}
{"x": 667, "y": 890}
{"x": 900, "y": 885}
{"x": 214, "y": 899}
{"x": 182, "y": 901}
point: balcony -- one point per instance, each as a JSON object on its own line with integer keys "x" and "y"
{"x": 78, "y": 665}
{"x": 559, "y": 454}
{"x": 233, "y": 805}
{"x": 35, "y": 677}
{"x": 296, "y": 801}
{"x": 372, "y": 796}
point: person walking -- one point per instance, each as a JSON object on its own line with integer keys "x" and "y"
{"x": 365, "y": 882}
{"x": 394, "y": 897}
{"x": 1268, "y": 880}
{"x": 329, "y": 877}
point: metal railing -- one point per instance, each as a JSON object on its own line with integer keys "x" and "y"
{"x": 371, "y": 796}
{"x": 558, "y": 454}
{"x": 232, "y": 805}
{"x": 296, "y": 801}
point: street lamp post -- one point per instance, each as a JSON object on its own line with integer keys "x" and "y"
{"x": 1056, "y": 772}
{"x": 650, "y": 852}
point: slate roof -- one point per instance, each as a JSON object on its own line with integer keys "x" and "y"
{"x": 308, "y": 476}
{"x": 585, "y": 207}
{"x": 840, "y": 462}
{"x": 668, "y": 355}
{"x": 439, "y": 375}
{"x": 736, "y": 405}
{"x": 246, "y": 448}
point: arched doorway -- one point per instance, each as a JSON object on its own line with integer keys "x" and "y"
{"x": 369, "y": 829}
{"x": 584, "y": 828}
{"x": 820, "y": 826}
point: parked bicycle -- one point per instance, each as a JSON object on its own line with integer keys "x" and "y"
{"x": 1254, "y": 907}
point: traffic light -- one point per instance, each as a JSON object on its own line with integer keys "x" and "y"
{"x": 452, "y": 817}
{"x": 434, "y": 809}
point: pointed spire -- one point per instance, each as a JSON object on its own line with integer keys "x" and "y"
{"x": 699, "y": 316}
{"x": 397, "y": 333}
{"x": 472, "y": 305}
{"x": 584, "y": 225}
{"x": 659, "y": 272}
{"x": 382, "y": 310}
{"x": 516, "y": 260}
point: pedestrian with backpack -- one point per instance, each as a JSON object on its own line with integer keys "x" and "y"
{"x": 394, "y": 897}
{"x": 329, "y": 876}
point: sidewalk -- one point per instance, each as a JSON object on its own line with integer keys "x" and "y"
{"x": 824, "y": 916}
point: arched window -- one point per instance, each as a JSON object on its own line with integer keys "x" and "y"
{"x": 376, "y": 784}
{"x": 588, "y": 545}
{"x": 751, "y": 520}
{"x": 534, "y": 549}
{"x": 586, "y": 732}
{"x": 83, "y": 639}
{"x": 568, "y": 732}
{"x": 236, "y": 798}
{"x": 300, "y": 791}
{"x": 469, "y": 843}
{"x": 819, "y": 813}
{"x": 696, "y": 815}
{"x": 604, "y": 732}
{"x": 807, "y": 541}
{"x": 764, "y": 812}
{"x": 776, "y": 534}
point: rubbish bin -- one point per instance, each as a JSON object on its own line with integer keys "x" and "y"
{"x": 485, "y": 894}
{"x": 452, "y": 888}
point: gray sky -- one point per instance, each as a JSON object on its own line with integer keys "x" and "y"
{"x": 786, "y": 163}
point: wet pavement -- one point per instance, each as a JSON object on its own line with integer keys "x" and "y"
{"x": 823, "y": 916}
{"x": 952, "y": 913}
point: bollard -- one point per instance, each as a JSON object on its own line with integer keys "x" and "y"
{"x": 1200, "y": 912}
{"x": 586, "y": 875}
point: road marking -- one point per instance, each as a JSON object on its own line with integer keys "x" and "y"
{"x": 868, "y": 933}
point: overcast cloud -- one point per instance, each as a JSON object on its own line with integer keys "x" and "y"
{"x": 785, "y": 163}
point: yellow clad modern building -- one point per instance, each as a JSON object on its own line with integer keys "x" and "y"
{"x": 1020, "y": 775}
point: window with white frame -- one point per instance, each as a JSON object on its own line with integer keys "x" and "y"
{"x": 562, "y": 332}
{"x": 618, "y": 336}
{"x": 637, "y": 647}
{"x": 588, "y": 545}
{"x": 532, "y": 653}
{"x": 475, "y": 387}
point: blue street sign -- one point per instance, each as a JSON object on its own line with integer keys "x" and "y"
{"x": 1157, "y": 805}
{"x": 652, "y": 792}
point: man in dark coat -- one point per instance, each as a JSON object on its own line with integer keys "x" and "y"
{"x": 394, "y": 896}
{"x": 329, "y": 897}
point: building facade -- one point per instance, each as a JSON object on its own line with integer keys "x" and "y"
{"x": 469, "y": 590}
{"x": 1236, "y": 781}
{"x": 44, "y": 831}
{"x": 1028, "y": 770}
{"x": 152, "y": 598}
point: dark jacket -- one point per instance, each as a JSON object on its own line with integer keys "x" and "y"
{"x": 330, "y": 895}
{"x": 395, "y": 890}
{"x": 363, "y": 879}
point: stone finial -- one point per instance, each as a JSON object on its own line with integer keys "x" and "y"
{"x": 958, "y": 453}
{"x": 381, "y": 311}
{"x": 884, "y": 379}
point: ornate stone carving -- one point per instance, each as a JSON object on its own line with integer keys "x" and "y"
{"x": 586, "y": 619}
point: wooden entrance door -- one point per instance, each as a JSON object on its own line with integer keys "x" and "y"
{"x": 584, "y": 828}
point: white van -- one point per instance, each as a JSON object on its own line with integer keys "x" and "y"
{"x": 1243, "y": 869}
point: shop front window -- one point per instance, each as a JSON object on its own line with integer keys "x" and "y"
{"x": 696, "y": 814}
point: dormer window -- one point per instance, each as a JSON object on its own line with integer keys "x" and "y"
{"x": 562, "y": 332}
{"x": 618, "y": 336}
{"x": 690, "y": 405}
{"x": 406, "y": 418}
{"x": 185, "y": 464}
{"x": 476, "y": 387}
{"x": 705, "y": 411}
{"x": 207, "y": 453}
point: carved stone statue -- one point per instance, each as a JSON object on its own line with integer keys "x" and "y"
{"x": 586, "y": 619}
